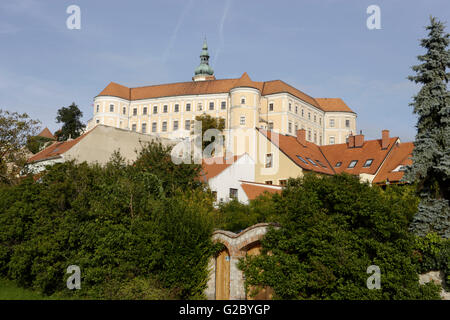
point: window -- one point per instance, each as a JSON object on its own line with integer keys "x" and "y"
{"x": 144, "y": 128}
{"x": 270, "y": 106}
{"x": 296, "y": 127}
{"x": 309, "y": 135}
{"x": 211, "y": 106}
{"x": 111, "y": 108}
{"x": 242, "y": 100}
{"x": 124, "y": 111}
{"x": 269, "y": 160}
{"x": 338, "y": 164}
{"x": 296, "y": 109}
{"x": 347, "y": 123}
{"x": 242, "y": 121}
{"x": 353, "y": 164}
{"x": 320, "y": 140}
{"x": 98, "y": 108}
{"x": 320, "y": 163}
{"x": 315, "y": 137}
{"x": 310, "y": 160}
{"x": 133, "y": 127}
{"x": 368, "y": 163}
{"x": 177, "y": 107}
{"x": 199, "y": 107}
{"x": 154, "y": 127}
{"x": 175, "y": 125}
{"x": 290, "y": 107}
{"x": 155, "y": 109}
{"x": 270, "y": 126}
{"x": 269, "y": 182}
{"x": 134, "y": 111}
{"x": 144, "y": 111}
{"x": 223, "y": 105}
{"x": 290, "y": 127}
{"x": 164, "y": 126}
{"x": 165, "y": 108}
{"x": 314, "y": 118}
{"x": 187, "y": 125}
{"x": 309, "y": 115}
{"x": 283, "y": 183}
{"x": 332, "y": 123}
{"x": 303, "y": 160}
{"x": 303, "y": 113}
{"x": 331, "y": 140}
{"x": 320, "y": 121}
{"x": 233, "y": 193}
{"x": 97, "y": 121}
{"x": 188, "y": 107}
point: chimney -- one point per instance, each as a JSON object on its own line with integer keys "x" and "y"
{"x": 359, "y": 140}
{"x": 384, "y": 139}
{"x": 301, "y": 136}
{"x": 351, "y": 141}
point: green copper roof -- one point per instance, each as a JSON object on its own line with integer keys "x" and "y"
{"x": 204, "y": 67}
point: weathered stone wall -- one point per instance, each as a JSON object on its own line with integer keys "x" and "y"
{"x": 237, "y": 245}
{"x": 438, "y": 278}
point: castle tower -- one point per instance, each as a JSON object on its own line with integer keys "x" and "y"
{"x": 204, "y": 71}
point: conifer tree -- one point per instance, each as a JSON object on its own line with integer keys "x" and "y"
{"x": 431, "y": 155}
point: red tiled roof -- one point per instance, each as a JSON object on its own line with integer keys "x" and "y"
{"x": 401, "y": 155}
{"x": 333, "y": 104}
{"x": 290, "y": 146}
{"x": 46, "y": 134}
{"x": 211, "y": 167}
{"x": 254, "y": 190}
{"x": 371, "y": 149}
{"x": 56, "y": 149}
{"x": 215, "y": 86}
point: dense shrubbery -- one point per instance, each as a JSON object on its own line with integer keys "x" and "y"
{"x": 129, "y": 228}
{"x": 332, "y": 229}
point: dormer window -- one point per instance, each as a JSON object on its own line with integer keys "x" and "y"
{"x": 368, "y": 163}
{"x": 303, "y": 160}
{"x": 310, "y": 160}
{"x": 352, "y": 164}
{"x": 338, "y": 164}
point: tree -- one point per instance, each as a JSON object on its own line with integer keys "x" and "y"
{"x": 209, "y": 122}
{"x": 332, "y": 228}
{"x": 72, "y": 125}
{"x": 15, "y": 130}
{"x": 431, "y": 155}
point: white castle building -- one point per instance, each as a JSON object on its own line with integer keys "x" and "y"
{"x": 169, "y": 110}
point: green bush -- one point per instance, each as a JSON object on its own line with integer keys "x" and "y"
{"x": 123, "y": 225}
{"x": 332, "y": 229}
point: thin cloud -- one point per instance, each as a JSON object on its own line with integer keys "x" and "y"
{"x": 175, "y": 31}
{"x": 221, "y": 27}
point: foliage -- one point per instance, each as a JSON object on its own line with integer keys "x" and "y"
{"x": 72, "y": 126}
{"x": 235, "y": 216}
{"x": 209, "y": 122}
{"x": 332, "y": 229}
{"x": 431, "y": 155}
{"x": 15, "y": 129}
{"x": 126, "y": 226}
{"x": 37, "y": 143}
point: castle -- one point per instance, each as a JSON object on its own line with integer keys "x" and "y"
{"x": 168, "y": 110}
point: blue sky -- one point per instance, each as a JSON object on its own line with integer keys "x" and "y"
{"x": 322, "y": 47}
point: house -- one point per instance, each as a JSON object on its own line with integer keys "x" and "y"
{"x": 94, "y": 146}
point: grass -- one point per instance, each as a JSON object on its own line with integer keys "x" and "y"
{"x": 10, "y": 291}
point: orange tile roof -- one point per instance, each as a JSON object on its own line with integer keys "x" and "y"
{"x": 217, "y": 86}
{"x": 56, "y": 149}
{"x": 371, "y": 149}
{"x": 290, "y": 146}
{"x": 254, "y": 190}
{"x": 211, "y": 167}
{"x": 46, "y": 134}
{"x": 333, "y": 104}
{"x": 401, "y": 155}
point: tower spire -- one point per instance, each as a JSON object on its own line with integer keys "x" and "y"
{"x": 204, "y": 70}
